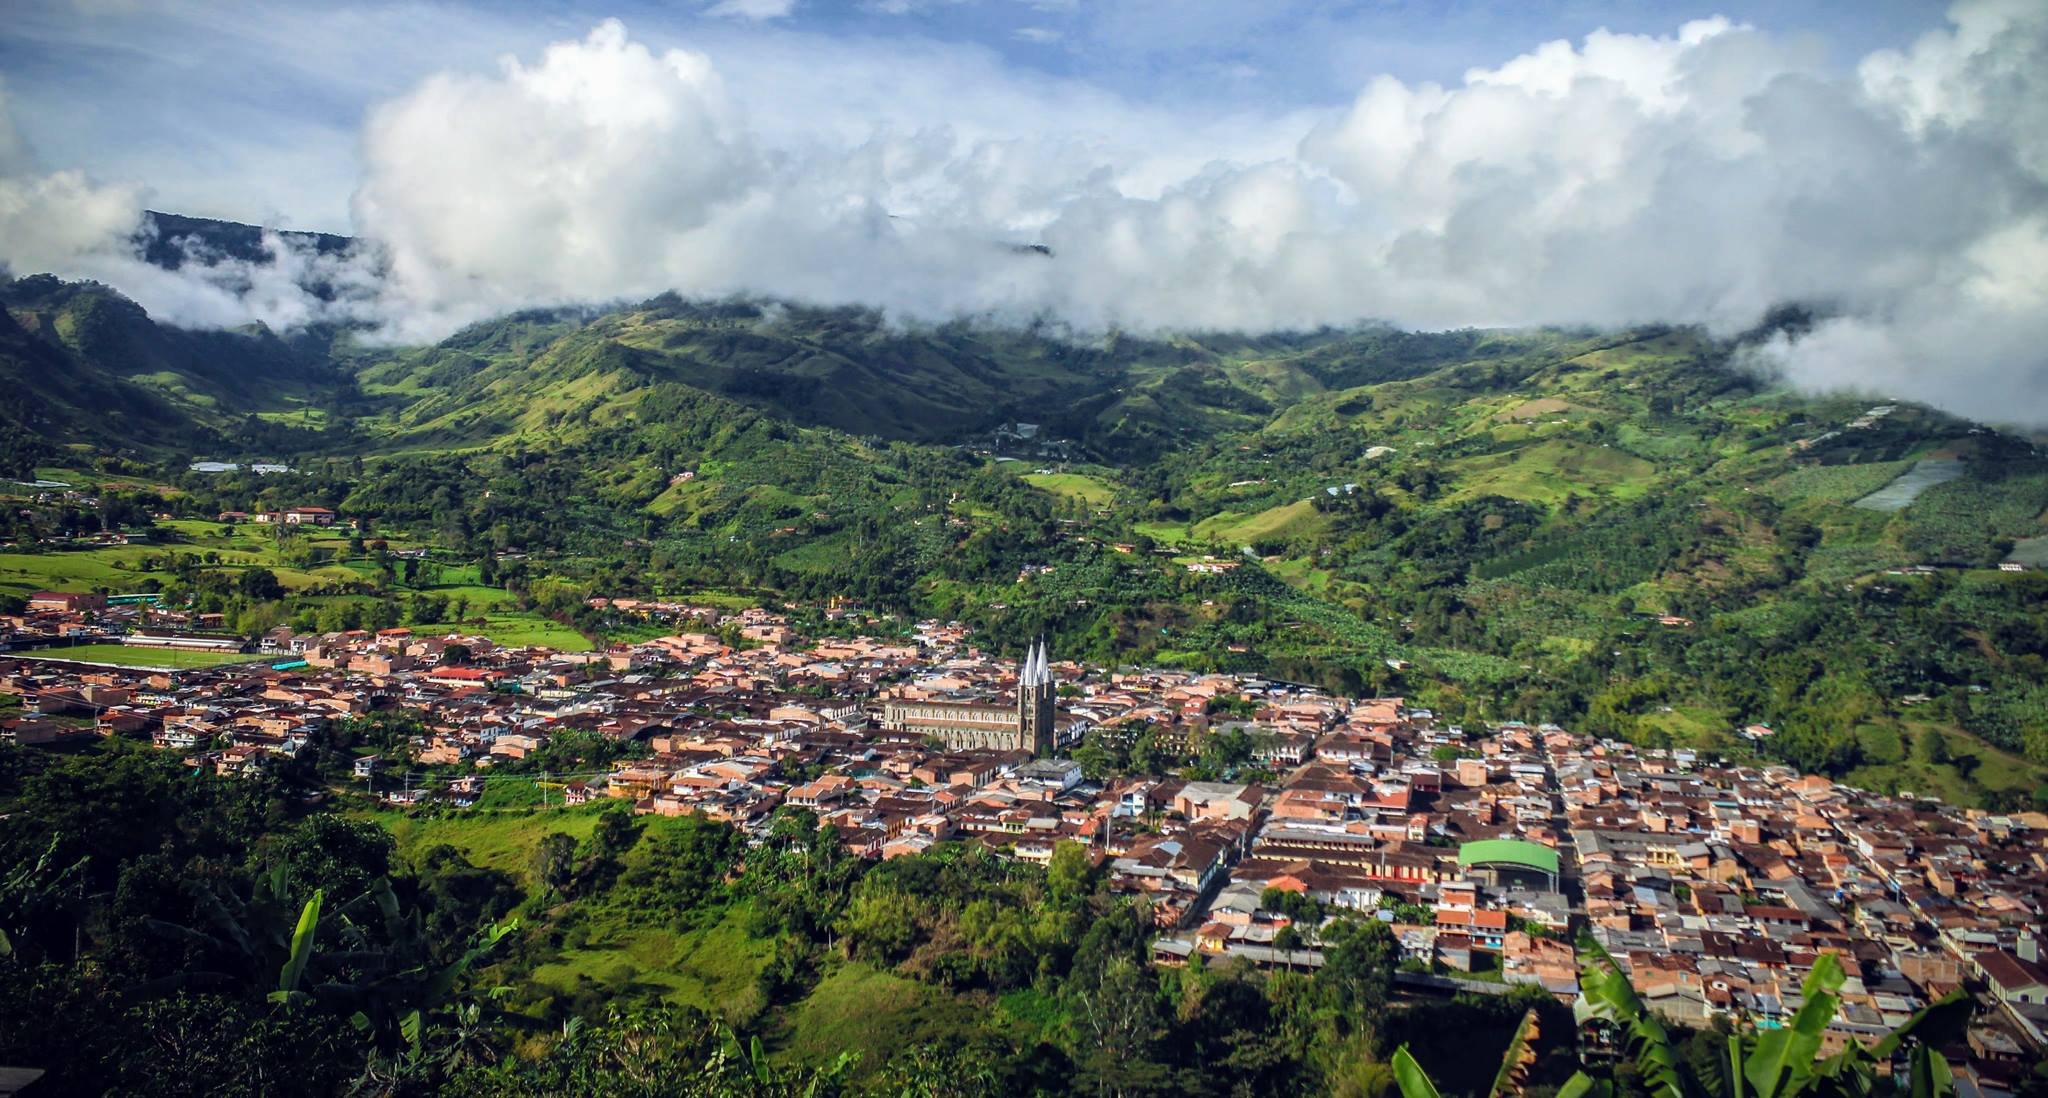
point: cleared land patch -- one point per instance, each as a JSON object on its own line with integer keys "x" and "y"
{"x": 2030, "y": 551}
{"x": 1536, "y": 409}
{"x": 1299, "y": 517}
{"x": 1547, "y": 472}
{"x": 1087, "y": 489}
{"x": 1900, "y": 493}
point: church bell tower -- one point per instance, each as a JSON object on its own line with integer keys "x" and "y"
{"x": 1037, "y": 701}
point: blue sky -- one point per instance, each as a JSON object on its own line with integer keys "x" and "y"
{"x": 253, "y": 111}
{"x": 1188, "y": 164}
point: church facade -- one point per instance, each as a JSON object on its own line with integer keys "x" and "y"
{"x": 1022, "y": 723}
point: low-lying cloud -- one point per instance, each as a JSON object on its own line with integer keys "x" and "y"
{"x": 1701, "y": 177}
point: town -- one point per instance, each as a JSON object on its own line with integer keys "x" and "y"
{"x": 1239, "y": 810}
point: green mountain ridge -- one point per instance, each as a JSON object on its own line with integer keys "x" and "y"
{"x": 1618, "y": 529}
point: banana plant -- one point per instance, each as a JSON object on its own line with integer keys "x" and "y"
{"x": 1604, "y": 992}
{"x": 294, "y": 970}
{"x": 1779, "y": 1063}
{"x": 34, "y": 891}
{"x": 1512, "y": 1062}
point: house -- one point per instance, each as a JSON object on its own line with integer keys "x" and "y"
{"x": 65, "y": 602}
{"x": 2012, "y": 979}
{"x": 464, "y": 676}
{"x": 309, "y": 516}
{"x": 1481, "y": 928}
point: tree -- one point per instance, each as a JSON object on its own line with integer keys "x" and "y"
{"x": 259, "y": 585}
{"x": 1118, "y": 1024}
{"x": 1072, "y": 873}
{"x": 330, "y": 852}
{"x": 614, "y": 834}
{"x": 1358, "y": 967}
{"x": 554, "y": 863}
{"x": 1931, "y": 747}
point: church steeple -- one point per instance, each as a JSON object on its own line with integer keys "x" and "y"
{"x": 1037, "y": 693}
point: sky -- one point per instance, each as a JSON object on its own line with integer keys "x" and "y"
{"x": 1191, "y": 164}
{"x": 251, "y": 111}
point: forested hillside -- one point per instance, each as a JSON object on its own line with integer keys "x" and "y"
{"x": 1624, "y": 530}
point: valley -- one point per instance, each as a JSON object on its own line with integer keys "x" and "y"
{"x": 1511, "y": 525}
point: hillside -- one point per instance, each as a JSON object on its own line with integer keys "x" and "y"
{"x": 170, "y": 240}
{"x": 856, "y": 371}
{"x": 1617, "y": 529}
{"x": 82, "y": 367}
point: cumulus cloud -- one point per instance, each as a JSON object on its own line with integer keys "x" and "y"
{"x": 1703, "y": 176}
{"x": 67, "y": 224}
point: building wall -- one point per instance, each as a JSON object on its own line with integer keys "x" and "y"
{"x": 958, "y": 726}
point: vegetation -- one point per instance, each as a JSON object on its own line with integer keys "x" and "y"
{"x": 1773, "y": 1064}
{"x": 231, "y": 927}
{"x": 218, "y": 936}
{"x": 1510, "y": 518}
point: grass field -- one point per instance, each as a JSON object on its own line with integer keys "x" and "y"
{"x": 122, "y": 655}
{"x": 1165, "y": 533}
{"x": 1701, "y": 727}
{"x": 1089, "y": 490}
{"x": 27, "y": 573}
{"x": 497, "y": 841}
{"x": 1974, "y": 767}
{"x": 861, "y": 1008}
{"x": 118, "y": 568}
{"x": 1286, "y": 520}
{"x": 1547, "y": 472}
{"x": 515, "y": 628}
{"x": 714, "y": 965}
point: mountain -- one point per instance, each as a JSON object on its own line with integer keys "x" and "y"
{"x": 1620, "y": 529}
{"x": 171, "y": 240}
{"x": 82, "y": 366}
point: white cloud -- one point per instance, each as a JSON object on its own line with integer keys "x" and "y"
{"x": 1043, "y": 36}
{"x": 1702, "y": 176}
{"x": 752, "y": 10}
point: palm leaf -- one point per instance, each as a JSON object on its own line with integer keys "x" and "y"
{"x": 1504, "y": 1081}
{"x": 1930, "y": 1074}
{"x": 1939, "y": 1023}
{"x": 1606, "y": 993}
{"x": 1582, "y": 1085}
{"x": 302, "y": 945}
{"x": 1413, "y": 1081}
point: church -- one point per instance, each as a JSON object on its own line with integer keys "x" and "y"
{"x": 1022, "y": 723}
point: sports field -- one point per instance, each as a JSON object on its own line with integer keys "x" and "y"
{"x": 128, "y": 655}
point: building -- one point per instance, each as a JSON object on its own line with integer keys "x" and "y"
{"x": 309, "y": 516}
{"x": 196, "y": 642}
{"x": 2013, "y": 979}
{"x": 65, "y": 602}
{"x": 1023, "y": 723}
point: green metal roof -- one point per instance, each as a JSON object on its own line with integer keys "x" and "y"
{"x": 1512, "y": 851}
